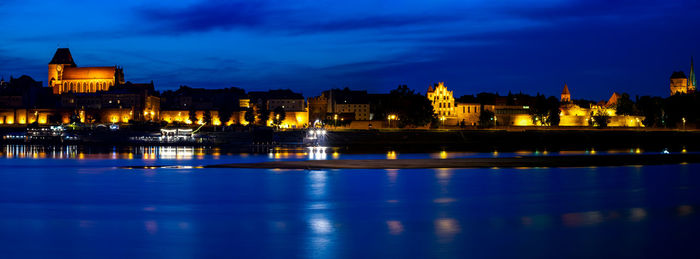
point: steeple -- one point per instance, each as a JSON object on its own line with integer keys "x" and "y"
{"x": 691, "y": 78}
{"x": 565, "y": 95}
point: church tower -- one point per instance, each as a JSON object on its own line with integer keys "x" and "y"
{"x": 61, "y": 60}
{"x": 691, "y": 78}
{"x": 565, "y": 95}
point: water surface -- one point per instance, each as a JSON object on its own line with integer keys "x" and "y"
{"x": 70, "y": 203}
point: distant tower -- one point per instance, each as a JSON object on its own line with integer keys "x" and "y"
{"x": 691, "y": 78}
{"x": 565, "y": 95}
{"x": 679, "y": 83}
{"x": 61, "y": 60}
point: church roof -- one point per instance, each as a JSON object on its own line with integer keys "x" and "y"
{"x": 613, "y": 99}
{"x": 678, "y": 74}
{"x": 74, "y": 73}
{"x": 62, "y": 56}
{"x": 566, "y": 89}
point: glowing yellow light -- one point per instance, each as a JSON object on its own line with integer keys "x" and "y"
{"x": 335, "y": 155}
{"x": 443, "y": 154}
{"x": 391, "y": 155}
{"x": 637, "y": 151}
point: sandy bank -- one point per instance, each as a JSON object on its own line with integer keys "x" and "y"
{"x": 525, "y": 161}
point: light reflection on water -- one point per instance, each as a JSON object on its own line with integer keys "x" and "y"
{"x": 163, "y": 153}
{"x": 49, "y": 205}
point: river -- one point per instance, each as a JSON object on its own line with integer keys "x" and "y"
{"x": 69, "y": 202}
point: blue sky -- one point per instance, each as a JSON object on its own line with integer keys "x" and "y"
{"x": 597, "y": 47}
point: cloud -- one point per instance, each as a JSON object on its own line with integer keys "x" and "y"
{"x": 266, "y": 16}
{"x": 205, "y": 16}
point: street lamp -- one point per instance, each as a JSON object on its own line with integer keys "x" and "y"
{"x": 683, "y": 122}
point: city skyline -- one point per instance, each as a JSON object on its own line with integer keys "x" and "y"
{"x": 596, "y": 48}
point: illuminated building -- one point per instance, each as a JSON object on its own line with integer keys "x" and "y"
{"x": 468, "y": 113}
{"x": 442, "y": 99}
{"x": 317, "y": 108}
{"x": 680, "y": 84}
{"x": 25, "y": 101}
{"x": 346, "y": 103}
{"x": 120, "y": 104}
{"x": 294, "y": 105}
{"x": 176, "y": 105}
{"x": 573, "y": 115}
{"x": 449, "y": 112}
{"x": 64, "y": 76}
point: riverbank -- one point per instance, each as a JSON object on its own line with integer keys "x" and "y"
{"x": 525, "y": 161}
{"x": 400, "y": 140}
{"x": 504, "y": 140}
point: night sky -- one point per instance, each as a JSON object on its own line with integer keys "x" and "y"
{"x": 597, "y": 47}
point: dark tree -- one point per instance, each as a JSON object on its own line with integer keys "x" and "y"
{"x": 206, "y": 117}
{"x": 625, "y": 106}
{"x": 279, "y": 116}
{"x": 553, "y": 105}
{"x": 539, "y": 110}
{"x": 225, "y": 115}
{"x": 600, "y": 119}
{"x": 553, "y": 119}
{"x": 652, "y": 109}
{"x": 249, "y": 116}
{"x": 410, "y": 108}
{"x": 680, "y": 108}
{"x": 264, "y": 115}
{"x": 486, "y": 118}
{"x": 192, "y": 116}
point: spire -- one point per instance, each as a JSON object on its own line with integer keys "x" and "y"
{"x": 62, "y": 56}
{"x": 691, "y": 78}
{"x": 565, "y": 95}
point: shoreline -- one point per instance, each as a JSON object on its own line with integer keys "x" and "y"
{"x": 510, "y": 162}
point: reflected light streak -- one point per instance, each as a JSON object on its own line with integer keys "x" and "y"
{"x": 395, "y": 227}
{"x": 637, "y": 214}
{"x": 317, "y": 153}
{"x": 320, "y": 225}
{"x": 318, "y": 183}
{"x": 446, "y": 227}
{"x": 685, "y": 210}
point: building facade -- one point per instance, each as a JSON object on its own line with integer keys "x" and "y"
{"x": 442, "y": 99}
{"x": 680, "y": 84}
{"x": 347, "y": 103}
{"x": 64, "y": 76}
